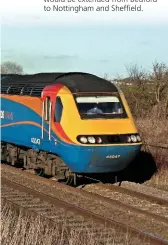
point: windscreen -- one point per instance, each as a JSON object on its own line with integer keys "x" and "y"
{"x": 100, "y": 106}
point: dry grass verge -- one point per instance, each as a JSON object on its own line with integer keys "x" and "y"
{"x": 155, "y": 132}
{"x": 159, "y": 180}
{"x": 20, "y": 226}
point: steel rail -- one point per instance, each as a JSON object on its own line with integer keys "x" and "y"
{"x": 127, "y": 207}
{"x": 85, "y": 213}
{"x": 156, "y": 146}
{"x": 134, "y": 193}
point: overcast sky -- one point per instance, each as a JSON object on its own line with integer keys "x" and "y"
{"x": 92, "y": 42}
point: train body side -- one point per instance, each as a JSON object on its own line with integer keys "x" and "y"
{"x": 22, "y": 125}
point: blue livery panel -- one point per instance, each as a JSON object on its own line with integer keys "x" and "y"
{"x": 22, "y": 126}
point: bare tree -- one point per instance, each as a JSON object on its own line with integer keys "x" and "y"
{"x": 160, "y": 79}
{"x": 136, "y": 74}
{"x": 10, "y": 67}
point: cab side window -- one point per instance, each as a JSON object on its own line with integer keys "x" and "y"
{"x": 58, "y": 110}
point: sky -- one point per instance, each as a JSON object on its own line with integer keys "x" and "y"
{"x": 95, "y": 42}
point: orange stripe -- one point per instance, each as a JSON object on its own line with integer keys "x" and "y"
{"x": 31, "y": 102}
{"x": 21, "y": 122}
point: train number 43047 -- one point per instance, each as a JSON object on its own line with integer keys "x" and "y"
{"x": 113, "y": 156}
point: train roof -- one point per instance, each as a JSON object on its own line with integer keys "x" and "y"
{"x": 33, "y": 84}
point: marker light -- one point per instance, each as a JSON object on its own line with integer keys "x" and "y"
{"x": 98, "y": 140}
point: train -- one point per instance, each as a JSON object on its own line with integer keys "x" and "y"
{"x": 66, "y": 125}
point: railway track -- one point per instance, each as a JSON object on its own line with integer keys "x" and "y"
{"x": 130, "y": 200}
{"x": 141, "y": 195}
{"x": 54, "y": 209}
{"x": 28, "y": 186}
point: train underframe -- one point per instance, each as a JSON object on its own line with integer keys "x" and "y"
{"x": 41, "y": 162}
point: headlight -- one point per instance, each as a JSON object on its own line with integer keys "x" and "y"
{"x": 128, "y": 139}
{"x": 133, "y": 138}
{"x": 91, "y": 140}
{"x": 83, "y": 139}
{"x": 98, "y": 140}
{"x": 138, "y": 137}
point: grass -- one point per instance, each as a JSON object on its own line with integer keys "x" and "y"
{"x": 155, "y": 132}
{"x": 20, "y": 226}
{"x": 159, "y": 180}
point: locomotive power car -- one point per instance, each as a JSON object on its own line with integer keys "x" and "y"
{"x": 66, "y": 124}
